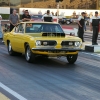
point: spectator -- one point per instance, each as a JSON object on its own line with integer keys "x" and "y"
{"x": 81, "y": 26}
{"x": 23, "y": 12}
{"x": 85, "y": 21}
{"x": 94, "y": 25}
{"x": 0, "y": 27}
{"x": 40, "y": 13}
{"x": 13, "y": 18}
{"x": 90, "y": 15}
{"x": 26, "y": 16}
{"x": 56, "y": 14}
{"x": 47, "y": 17}
{"x": 52, "y": 13}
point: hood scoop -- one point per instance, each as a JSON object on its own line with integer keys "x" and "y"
{"x": 53, "y": 34}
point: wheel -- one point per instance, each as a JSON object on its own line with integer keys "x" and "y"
{"x": 29, "y": 56}
{"x": 10, "y": 50}
{"x": 72, "y": 58}
{"x": 67, "y": 22}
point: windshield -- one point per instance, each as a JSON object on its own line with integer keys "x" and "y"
{"x": 43, "y": 27}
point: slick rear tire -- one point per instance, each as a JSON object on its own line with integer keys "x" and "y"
{"x": 72, "y": 58}
{"x": 29, "y": 56}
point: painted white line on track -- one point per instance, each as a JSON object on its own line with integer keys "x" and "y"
{"x": 96, "y": 55}
{"x": 18, "y": 96}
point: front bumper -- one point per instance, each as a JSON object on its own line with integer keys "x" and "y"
{"x": 53, "y": 49}
{"x": 55, "y": 52}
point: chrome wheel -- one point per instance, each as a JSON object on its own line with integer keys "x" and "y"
{"x": 10, "y": 50}
{"x": 30, "y": 57}
{"x": 9, "y": 47}
{"x": 28, "y": 53}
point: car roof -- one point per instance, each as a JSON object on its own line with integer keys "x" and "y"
{"x": 40, "y": 22}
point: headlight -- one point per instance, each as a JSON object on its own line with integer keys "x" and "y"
{"x": 77, "y": 44}
{"x": 70, "y": 43}
{"x": 38, "y": 43}
{"x": 45, "y": 43}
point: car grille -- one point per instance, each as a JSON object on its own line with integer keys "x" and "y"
{"x": 67, "y": 43}
{"x": 48, "y": 43}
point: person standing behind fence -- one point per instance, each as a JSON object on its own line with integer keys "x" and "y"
{"x": 94, "y": 25}
{"x": 13, "y": 18}
{"x": 85, "y": 21}
{"x": 26, "y": 16}
{"x": 81, "y": 26}
{"x": 47, "y": 17}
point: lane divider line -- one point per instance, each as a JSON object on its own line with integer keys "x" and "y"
{"x": 15, "y": 94}
{"x": 96, "y": 55}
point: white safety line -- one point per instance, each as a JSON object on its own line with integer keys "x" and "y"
{"x": 96, "y": 55}
{"x": 18, "y": 96}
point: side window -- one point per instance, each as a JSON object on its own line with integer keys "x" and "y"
{"x": 58, "y": 29}
{"x": 16, "y": 29}
{"x": 21, "y": 28}
{"x": 36, "y": 27}
{"x": 32, "y": 28}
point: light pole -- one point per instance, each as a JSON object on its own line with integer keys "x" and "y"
{"x": 86, "y": 4}
{"x": 57, "y": 11}
{"x": 57, "y": 1}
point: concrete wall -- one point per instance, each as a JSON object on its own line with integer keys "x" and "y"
{"x": 4, "y": 10}
{"x": 65, "y": 12}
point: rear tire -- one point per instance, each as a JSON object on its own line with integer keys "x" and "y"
{"x": 29, "y": 56}
{"x": 72, "y": 58}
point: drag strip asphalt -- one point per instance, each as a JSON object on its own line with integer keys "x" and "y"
{"x": 52, "y": 78}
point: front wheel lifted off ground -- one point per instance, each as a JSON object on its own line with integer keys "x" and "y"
{"x": 29, "y": 56}
{"x": 72, "y": 58}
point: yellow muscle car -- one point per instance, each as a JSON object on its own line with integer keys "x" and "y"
{"x": 46, "y": 39}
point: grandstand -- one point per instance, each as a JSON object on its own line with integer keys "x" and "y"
{"x": 66, "y": 4}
